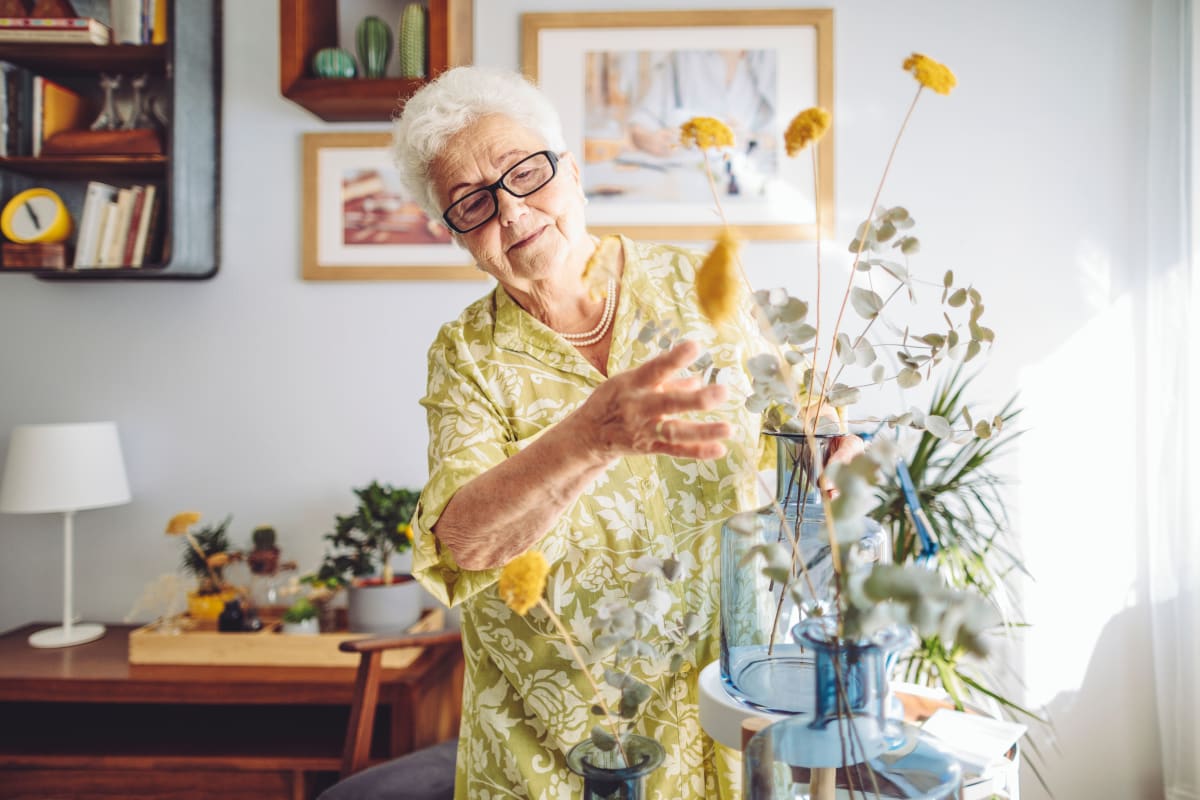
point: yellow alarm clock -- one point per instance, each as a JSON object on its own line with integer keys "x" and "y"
{"x": 34, "y": 216}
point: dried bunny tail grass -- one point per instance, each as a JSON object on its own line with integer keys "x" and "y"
{"x": 705, "y": 132}
{"x": 717, "y": 280}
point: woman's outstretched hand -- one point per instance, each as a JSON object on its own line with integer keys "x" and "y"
{"x": 635, "y": 411}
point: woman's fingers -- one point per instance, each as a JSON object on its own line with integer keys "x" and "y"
{"x": 664, "y": 366}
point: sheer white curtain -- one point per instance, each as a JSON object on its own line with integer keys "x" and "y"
{"x": 1170, "y": 391}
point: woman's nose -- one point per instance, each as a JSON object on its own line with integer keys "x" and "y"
{"x": 509, "y": 208}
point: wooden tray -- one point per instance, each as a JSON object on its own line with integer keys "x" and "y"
{"x": 204, "y": 645}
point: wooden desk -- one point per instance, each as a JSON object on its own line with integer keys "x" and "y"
{"x": 82, "y": 723}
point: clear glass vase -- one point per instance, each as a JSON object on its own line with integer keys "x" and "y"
{"x": 606, "y": 774}
{"x": 760, "y": 664}
{"x": 854, "y": 742}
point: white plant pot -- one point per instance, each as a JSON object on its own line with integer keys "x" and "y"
{"x": 307, "y": 627}
{"x": 384, "y": 609}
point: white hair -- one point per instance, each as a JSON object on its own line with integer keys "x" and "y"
{"x": 457, "y": 98}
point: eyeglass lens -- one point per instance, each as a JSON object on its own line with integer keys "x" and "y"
{"x": 521, "y": 179}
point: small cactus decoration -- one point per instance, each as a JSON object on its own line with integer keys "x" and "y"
{"x": 412, "y": 41}
{"x": 373, "y": 39}
{"x": 333, "y": 62}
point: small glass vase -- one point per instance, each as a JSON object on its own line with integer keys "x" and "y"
{"x": 606, "y": 776}
{"x": 855, "y": 741}
{"x": 760, "y": 664}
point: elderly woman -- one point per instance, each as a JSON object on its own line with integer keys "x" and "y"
{"x": 552, "y": 426}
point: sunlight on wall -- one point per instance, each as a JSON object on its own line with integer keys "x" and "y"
{"x": 1076, "y": 497}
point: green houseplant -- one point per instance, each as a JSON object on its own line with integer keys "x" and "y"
{"x": 206, "y": 552}
{"x": 359, "y": 555}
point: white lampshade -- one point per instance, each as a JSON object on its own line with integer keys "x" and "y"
{"x": 67, "y": 467}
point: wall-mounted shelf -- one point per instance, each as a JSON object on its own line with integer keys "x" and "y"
{"x": 306, "y": 26}
{"x": 186, "y": 74}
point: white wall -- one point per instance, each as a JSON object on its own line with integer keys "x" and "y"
{"x": 266, "y": 397}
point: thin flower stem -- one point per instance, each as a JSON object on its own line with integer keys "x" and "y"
{"x": 862, "y": 242}
{"x": 812, "y": 374}
{"x": 587, "y": 673}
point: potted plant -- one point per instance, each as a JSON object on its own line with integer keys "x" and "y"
{"x": 301, "y": 618}
{"x": 205, "y": 555}
{"x": 264, "y": 558}
{"x": 360, "y": 553}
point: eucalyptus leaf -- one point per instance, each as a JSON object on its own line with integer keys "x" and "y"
{"x": 602, "y": 739}
{"x": 841, "y": 395}
{"x": 845, "y": 350}
{"x": 908, "y": 245}
{"x": 878, "y": 374}
{"x": 938, "y": 426}
{"x": 865, "y": 302}
{"x": 908, "y": 378}
{"x": 983, "y": 430}
{"x": 948, "y": 279}
{"x": 957, "y": 298}
{"x": 885, "y": 231}
{"x": 864, "y": 354}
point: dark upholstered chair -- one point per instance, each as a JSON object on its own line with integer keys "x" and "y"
{"x": 426, "y": 774}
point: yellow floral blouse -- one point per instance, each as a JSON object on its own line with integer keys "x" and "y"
{"x": 497, "y": 379}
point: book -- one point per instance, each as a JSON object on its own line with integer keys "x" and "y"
{"x": 150, "y": 247}
{"x": 77, "y": 30}
{"x": 114, "y": 248}
{"x": 158, "y": 23}
{"x": 126, "y": 20}
{"x": 55, "y": 109}
{"x": 135, "y": 221}
{"x": 96, "y": 198}
{"x": 17, "y": 110}
{"x": 108, "y": 213}
{"x": 148, "y": 218}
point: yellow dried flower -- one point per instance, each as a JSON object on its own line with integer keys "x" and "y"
{"x": 602, "y": 266}
{"x": 806, "y": 128}
{"x": 181, "y": 522}
{"x": 523, "y": 580}
{"x": 217, "y": 560}
{"x": 717, "y": 283}
{"x": 405, "y": 530}
{"x": 931, "y": 74}
{"x": 705, "y": 132}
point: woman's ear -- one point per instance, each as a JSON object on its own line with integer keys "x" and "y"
{"x": 569, "y": 156}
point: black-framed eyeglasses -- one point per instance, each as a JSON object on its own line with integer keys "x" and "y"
{"x": 520, "y": 180}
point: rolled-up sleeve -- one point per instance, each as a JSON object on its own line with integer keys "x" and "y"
{"x": 467, "y": 436}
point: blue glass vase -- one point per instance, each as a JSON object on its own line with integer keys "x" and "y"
{"x": 607, "y": 776}
{"x": 854, "y": 742}
{"x": 760, "y": 664}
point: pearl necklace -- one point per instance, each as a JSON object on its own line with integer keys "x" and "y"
{"x": 606, "y": 319}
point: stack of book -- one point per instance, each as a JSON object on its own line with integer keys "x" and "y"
{"x": 74, "y": 30}
{"x": 118, "y": 227}
{"x": 34, "y": 108}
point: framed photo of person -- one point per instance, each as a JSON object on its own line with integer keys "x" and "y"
{"x": 360, "y": 224}
{"x": 625, "y": 81}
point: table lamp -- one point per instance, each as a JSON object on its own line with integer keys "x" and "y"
{"x": 64, "y": 468}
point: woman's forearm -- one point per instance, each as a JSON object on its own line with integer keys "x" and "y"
{"x": 504, "y": 511}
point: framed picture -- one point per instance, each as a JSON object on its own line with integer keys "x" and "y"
{"x": 624, "y": 82}
{"x": 360, "y": 224}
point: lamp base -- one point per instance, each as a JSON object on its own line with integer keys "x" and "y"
{"x": 57, "y": 637}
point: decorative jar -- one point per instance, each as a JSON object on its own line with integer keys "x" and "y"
{"x": 760, "y": 665}
{"x": 854, "y": 741}
{"x": 607, "y": 776}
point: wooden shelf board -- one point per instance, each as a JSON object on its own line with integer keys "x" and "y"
{"x": 353, "y": 99}
{"x": 88, "y": 167}
{"x": 80, "y": 59}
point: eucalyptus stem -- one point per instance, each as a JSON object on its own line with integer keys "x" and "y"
{"x": 587, "y": 673}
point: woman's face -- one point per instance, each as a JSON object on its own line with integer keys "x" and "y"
{"x": 531, "y": 238}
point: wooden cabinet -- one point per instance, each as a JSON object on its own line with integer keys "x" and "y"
{"x": 185, "y": 73}
{"x": 81, "y": 722}
{"x": 306, "y": 26}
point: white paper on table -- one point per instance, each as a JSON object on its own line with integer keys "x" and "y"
{"x": 979, "y": 742}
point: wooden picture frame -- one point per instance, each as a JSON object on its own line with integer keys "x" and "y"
{"x": 623, "y": 82}
{"x": 359, "y": 224}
